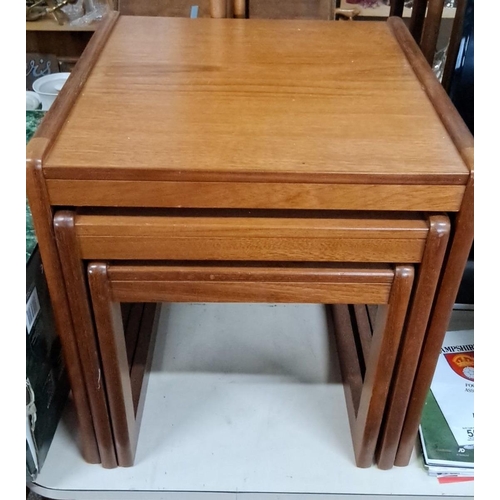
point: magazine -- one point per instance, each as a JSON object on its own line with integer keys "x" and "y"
{"x": 439, "y": 446}
{"x": 453, "y": 385}
{"x": 447, "y": 424}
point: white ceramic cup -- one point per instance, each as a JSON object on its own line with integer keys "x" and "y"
{"x": 47, "y": 87}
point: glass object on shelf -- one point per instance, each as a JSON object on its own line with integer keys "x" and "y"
{"x": 95, "y": 10}
{"x": 439, "y": 62}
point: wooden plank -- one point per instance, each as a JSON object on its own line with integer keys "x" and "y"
{"x": 458, "y": 253}
{"x": 293, "y": 292}
{"x": 324, "y": 226}
{"x": 208, "y": 111}
{"x": 452, "y": 121}
{"x": 110, "y": 193}
{"x": 249, "y": 284}
{"x": 109, "y": 326}
{"x": 348, "y": 359}
{"x": 363, "y": 328}
{"x": 177, "y": 8}
{"x": 42, "y": 220}
{"x": 250, "y": 239}
{"x": 84, "y": 334}
{"x": 58, "y": 112}
{"x": 139, "y": 373}
{"x": 131, "y": 330}
{"x": 290, "y": 9}
{"x": 236, "y": 272}
{"x": 379, "y": 367}
{"x": 413, "y": 339}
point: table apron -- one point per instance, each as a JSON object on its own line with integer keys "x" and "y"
{"x": 257, "y": 195}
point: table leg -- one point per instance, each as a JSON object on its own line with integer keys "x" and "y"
{"x": 440, "y": 317}
{"x": 109, "y": 326}
{"x": 74, "y": 278}
{"x": 42, "y": 220}
{"x": 427, "y": 279}
{"x": 366, "y": 416}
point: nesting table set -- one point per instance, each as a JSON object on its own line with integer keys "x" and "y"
{"x": 228, "y": 160}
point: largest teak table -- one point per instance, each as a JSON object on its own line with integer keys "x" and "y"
{"x": 286, "y": 118}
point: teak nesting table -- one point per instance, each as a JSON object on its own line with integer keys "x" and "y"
{"x": 254, "y": 161}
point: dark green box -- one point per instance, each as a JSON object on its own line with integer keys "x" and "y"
{"x": 46, "y": 379}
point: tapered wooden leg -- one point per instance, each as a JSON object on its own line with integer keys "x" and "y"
{"x": 412, "y": 340}
{"x": 42, "y": 219}
{"x": 78, "y": 300}
{"x": 109, "y": 325}
{"x": 365, "y": 417}
{"x": 438, "y": 324}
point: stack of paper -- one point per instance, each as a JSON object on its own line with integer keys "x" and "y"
{"x": 447, "y": 426}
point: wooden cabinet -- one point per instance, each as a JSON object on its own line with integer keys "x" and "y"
{"x": 165, "y": 8}
{"x": 291, "y": 9}
{"x": 66, "y": 42}
{"x": 47, "y": 37}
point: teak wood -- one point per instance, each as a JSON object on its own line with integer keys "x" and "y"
{"x": 109, "y": 286}
{"x": 320, "y": 112}
{"x": 366, "y": 402}
{"x": 413, "y": 337}
{"x": 335, "y": 239}
{"x": 457, "y": 252}
{"x": 141, "y": 238}
{"x": 262, "y": 115}
{"x": 42, "y": 212}
{"x": 72, "y": 268}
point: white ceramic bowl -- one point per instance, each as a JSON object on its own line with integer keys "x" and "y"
{"x": 32, "y": 101}
{"x": 48, "y": 87}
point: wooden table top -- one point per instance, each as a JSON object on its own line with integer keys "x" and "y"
{"x": 253, "y": 100}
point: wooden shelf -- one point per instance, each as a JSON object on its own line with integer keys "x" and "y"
{"x": 51, "y": 25}
{"x": 383, "y": 10}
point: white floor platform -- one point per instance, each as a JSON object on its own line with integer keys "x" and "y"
{"x": 243, "y": 401}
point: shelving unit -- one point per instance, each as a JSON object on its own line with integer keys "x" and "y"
{"x": 382, "y": 10}
{"x": 244, "y": 400}
{"x": 52, "y": 25}
{"x": 46, "y": 36}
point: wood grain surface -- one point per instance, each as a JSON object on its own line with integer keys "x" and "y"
{"x": 75, "y": 282}
{"x": 379, "y": 367}
{"x": 451, "y": 277}
{"x": 367, "y": 382}
{"x": 290, "y": 9}
{"x": 302, "y": 98}
{"x": 251, "y": 239}
{"x": 109, "y": 326}
{"x": 177, "y": 8}
{"x": 424, "y": 292}
{"x": 310, "y": 196}
{"x": 246, "y": 284}
{"x": 457, "y": 252}
{"x": 202, "y": 283}
{"x": 42, "y": 219}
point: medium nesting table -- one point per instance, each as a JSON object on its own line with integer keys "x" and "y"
{"x": 240, "y": 120}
